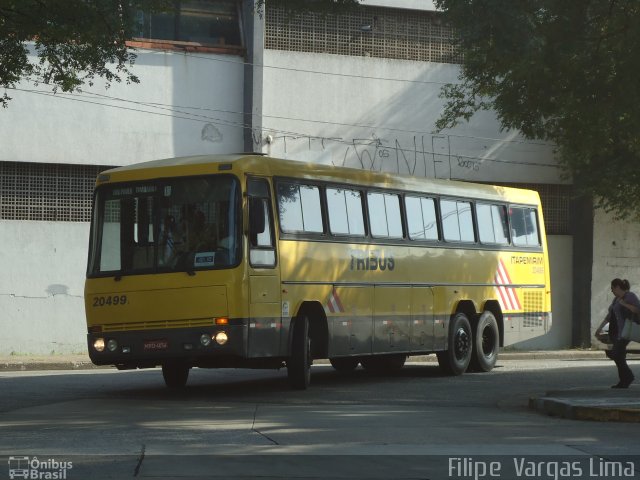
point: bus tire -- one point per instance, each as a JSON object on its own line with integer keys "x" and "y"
{"x": 455, "y": 360}
{"x": 344, "y": 364}
{"x": 299, "y": 362}
{"x": 175, "y": 375}
{"x": 486, "y": 343}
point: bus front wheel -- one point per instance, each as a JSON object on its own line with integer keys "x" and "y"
{"x": 175, "y": 375}
{"x": 455, "y": 360}
{"x": 299, "y": 362}
{"x": 485, "y": 344}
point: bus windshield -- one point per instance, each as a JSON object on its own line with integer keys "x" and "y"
{"x": 182, "y": 224}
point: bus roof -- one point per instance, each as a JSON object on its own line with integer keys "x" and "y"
{"x": 263, "y": 165}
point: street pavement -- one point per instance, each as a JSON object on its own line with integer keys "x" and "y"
{"x": 595, "y": 404}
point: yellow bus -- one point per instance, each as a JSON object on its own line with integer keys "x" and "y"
{"x": 255, "y": 262}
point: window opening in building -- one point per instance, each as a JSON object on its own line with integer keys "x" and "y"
{"x": 205, "y": 22}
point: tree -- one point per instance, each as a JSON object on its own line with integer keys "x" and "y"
{"x": 74, "y": 41}
{"x": 563, "y": 71}
{"x": 68, "y": 43}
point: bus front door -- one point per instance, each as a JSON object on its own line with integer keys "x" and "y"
{"x": 264, "y": 275}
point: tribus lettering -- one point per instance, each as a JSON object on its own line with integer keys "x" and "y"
{"x": 373, "y": 261}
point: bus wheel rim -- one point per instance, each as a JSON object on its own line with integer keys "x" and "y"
{"x": 488, "y": 342}
{"x": 462, "y": 344}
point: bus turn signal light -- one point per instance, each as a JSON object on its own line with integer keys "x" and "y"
{"x": 222, "y": 321}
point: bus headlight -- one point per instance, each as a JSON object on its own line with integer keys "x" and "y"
{"x": 205, "y": 339}
{"x": 98, "y": 344}
{"x": 221, "y": 338}
{"x": 112, "y": 345}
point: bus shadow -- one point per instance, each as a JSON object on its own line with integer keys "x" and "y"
{"x": 238, "y": 385}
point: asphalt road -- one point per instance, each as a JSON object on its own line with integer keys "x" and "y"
{"x": 249, "y": 424}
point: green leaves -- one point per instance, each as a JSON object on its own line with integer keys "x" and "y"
{"x": 70, "y": 43}
{"x": 561, "y": 71}
{"x": 74, "y": 41}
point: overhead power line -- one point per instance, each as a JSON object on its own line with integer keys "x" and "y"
{"x": 180, "y": 109}
{"x": 301, "y": 70}
{"x": 182, "y": 115}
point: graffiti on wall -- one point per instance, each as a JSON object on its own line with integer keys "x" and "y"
{"x": 419, "y": 155}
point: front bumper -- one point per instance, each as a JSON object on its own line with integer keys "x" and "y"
{"x": 149, "y": 348}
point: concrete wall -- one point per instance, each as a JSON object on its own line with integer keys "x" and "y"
{"x": 561, "y": 267}
{"x": 359, "y": 112}
{"x": 183, "y": 105}
{"x": 41, "y": 287}
{"x": 615, "y": 255}
{"x": 379, "y": 114}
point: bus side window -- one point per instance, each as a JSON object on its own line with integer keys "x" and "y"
{"x": 257, "y": 222}
{"x": 457, "y": 221}
{"x": 299, "y": 208}
{"x": 492, "y": 223}
{"x": 262, "y": 252}
{"x": 524, "y": 227}
{"x": 384, "y": 215}
{"x": 345, "y": 212}
{"x": 421, "y": 218}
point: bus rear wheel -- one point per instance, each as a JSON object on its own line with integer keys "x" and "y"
{"x": 299, "y": 362}
{"x": 344, "y": 364}
{"x": 485, "y": 344}
{"x": 455, "y": 360}
{"x": 175, "y": 375}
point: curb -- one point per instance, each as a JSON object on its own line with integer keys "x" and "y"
{"x": 53, "y": 365}
{"x": 556, "y": 407}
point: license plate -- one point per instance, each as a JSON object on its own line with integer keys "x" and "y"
{"x": 153, "y": 345}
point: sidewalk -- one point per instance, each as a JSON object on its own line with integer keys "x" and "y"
{"x": 601, "y": 404}
{"x": 13, "y": 363}
{"x": 576, "y": 404}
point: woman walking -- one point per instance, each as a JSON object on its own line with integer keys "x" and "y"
{"x": 624, "y": 305}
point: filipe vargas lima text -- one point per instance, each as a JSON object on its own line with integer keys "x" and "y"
{"x": 523, "y": 467}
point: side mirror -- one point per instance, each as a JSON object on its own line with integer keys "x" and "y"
{"x": 256, "y": 216}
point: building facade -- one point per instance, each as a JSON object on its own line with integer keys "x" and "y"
{"x": 359, "y": 89}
